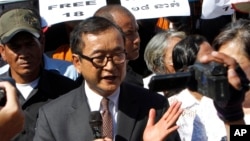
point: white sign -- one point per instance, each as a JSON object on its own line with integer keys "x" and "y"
{"x": 215, "y": 8}
{"x": 56, "y": 11}
{"x": 145, "y": 9}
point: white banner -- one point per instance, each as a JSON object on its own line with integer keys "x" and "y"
{"x": 56, "y": 11}
{"x": 215, "y": 8}
{"x": 145, "y": 9}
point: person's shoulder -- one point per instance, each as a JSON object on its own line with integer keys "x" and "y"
{"x": 66, "y": 101}
{"x": 143, "y": 98}
{"x": 57, "y": 80}
{"x": 133, "y": 87}
{"x": 63, "y": 67}
{"x": 54, "y": 62}
{"x": 53, "y": 75}
{"x": 143, "y": 93}
{"x": 133, "y": 77}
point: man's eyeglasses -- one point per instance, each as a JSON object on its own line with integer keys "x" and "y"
{"x": 101, "y": 61}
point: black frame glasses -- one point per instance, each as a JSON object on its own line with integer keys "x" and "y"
{"x": 101, "y": 61}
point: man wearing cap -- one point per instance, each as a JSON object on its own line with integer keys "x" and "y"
{"x": 22, "y": 44}
{"x": 62, "y": 67}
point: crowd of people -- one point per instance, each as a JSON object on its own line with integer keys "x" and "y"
{"x": 51, "y": 98}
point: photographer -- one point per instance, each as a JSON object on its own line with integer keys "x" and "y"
{"x": 11, "y": 115}
{"x": 199, "y": 120}
{"x": 232, "y": 113}
{"x": 204, "y": 118}
{"x": 234, "y": 40}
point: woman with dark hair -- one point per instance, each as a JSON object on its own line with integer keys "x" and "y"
{"x": 199, "y": 120}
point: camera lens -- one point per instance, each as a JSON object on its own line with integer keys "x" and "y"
{"x": 2, "y": 97}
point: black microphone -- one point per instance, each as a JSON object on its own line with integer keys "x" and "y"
{"x": 95, "y": 121}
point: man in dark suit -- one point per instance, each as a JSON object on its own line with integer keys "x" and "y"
{"x": 99, "y": 54}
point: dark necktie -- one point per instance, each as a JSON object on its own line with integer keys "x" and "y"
{"x": 107, "y": 125}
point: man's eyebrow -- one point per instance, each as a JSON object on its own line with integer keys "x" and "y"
{"x": 118, "y": 48}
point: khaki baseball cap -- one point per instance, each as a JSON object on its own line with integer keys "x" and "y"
{"x": 18, "y": 20}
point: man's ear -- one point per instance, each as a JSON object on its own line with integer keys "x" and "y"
{"x": 76, "y": 62}
{"x": 2, "y": 50}
{"x": 42, "y": 40}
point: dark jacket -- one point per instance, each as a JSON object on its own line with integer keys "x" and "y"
{"x": 50, "y": 86}
{"x": 67, "y": 118}
{"x": 133, "y": 78}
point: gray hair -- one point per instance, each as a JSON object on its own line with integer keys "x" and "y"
{"x": 155, "y": 50}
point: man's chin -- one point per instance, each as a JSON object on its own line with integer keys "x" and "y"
{"x": 26, "y": 72}
{"x": 110, "y": 86}
{"x": 108, "y": 90}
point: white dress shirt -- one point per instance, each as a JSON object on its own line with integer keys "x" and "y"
{"x": 199, "y": 120}
{"x": 94, "y": 101}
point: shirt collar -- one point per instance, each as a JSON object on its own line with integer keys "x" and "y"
{"x": 94, "y": 98}
{"x": 187, "y": 99}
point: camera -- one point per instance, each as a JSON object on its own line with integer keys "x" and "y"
{"x": 2, "y": 91}
{"x": 208, "y": 79}
{"x": 211, "y": 80}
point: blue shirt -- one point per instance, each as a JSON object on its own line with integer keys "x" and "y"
{"x": 60, "y": 66}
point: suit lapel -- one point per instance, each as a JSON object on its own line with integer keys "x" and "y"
{"x": 127, "y": 113}
{"x": 79, "y": 117}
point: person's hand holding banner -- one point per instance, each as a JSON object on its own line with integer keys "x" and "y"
{"x": 56, "y": 11}
{"x": 215, "y": 8}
